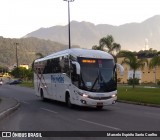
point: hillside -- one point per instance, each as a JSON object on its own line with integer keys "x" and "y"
{"x": 131, "y": 36}
{"x": 27, "y": 49}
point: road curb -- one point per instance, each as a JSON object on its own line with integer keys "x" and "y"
{"x": 9, "y": 110}
{"x": 136, "y": 103}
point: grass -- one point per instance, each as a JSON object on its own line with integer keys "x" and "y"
{"x": 27, "y": 84}
{"x": 140, "y": 95}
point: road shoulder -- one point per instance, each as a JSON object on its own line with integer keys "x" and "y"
{"x": 138, "y": 103}
{"x": 7, "y": 106}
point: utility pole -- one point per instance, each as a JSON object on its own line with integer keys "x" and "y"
{"x": 16, "y": 44}
{"x": 69, "y": 34}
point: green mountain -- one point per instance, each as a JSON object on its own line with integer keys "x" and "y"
{"x": 26, "y": 50}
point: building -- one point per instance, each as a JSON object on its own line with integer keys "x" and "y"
{"x": 145, "y": 75}
{"x": 24, "y": 66}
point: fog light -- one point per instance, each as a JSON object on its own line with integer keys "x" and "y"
{"x": 83, "y": 102}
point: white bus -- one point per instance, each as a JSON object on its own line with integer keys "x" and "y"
{"x": 77, "y": 76}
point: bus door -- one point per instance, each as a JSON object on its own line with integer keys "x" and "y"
{"x": 61, "y": 86}
{"x": 54, "y": 86}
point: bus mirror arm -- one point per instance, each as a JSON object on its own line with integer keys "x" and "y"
{"x": 77, "y": 67}
{"x": 120, "y": 68}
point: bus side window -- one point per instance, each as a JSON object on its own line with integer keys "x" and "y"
{"x": 45, "y": 71}
{"x": 64, "y": 64}
{"x": 74, "y": 76}
{"x": 57, "y": 65}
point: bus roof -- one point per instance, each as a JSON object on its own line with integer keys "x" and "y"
{"x": 77, "y": 52}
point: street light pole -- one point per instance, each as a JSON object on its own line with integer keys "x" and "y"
{"x": 16, "y": 44}
{"x": 69, "y": 34}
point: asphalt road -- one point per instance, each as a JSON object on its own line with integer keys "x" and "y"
{"x": 36, "y": 115}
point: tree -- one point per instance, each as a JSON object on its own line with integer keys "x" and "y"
{"x": 155, "y": 61}
{"x": 39, "y": 55}
{"x": 107, "y": 44}
{"x": 147, "y": 53}
{"x": 95, "y": 47}
{"x": 3, "y": 69}
{"x": 132, "y": 61}
{"x": 18, "y": 72}
{"x": 23, "y": 73}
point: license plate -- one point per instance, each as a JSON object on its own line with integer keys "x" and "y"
{"x": 99, "y": 104}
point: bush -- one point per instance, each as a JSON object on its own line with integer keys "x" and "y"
{"x": 158, "y": 83}
{"x": 24, "y": 73}
{"x": 130, "y": 81}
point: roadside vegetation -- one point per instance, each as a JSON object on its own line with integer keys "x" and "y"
{"x": 27, "y": 84}
{"x": 131, "y": 60}
{"x": 20, "y": 72}
{"x": 144, "y": 95}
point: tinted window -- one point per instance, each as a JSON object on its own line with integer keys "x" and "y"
{"x": 64, "y": 64}
{"x": 97, "y": 74}
{"x": 56, "y": 65}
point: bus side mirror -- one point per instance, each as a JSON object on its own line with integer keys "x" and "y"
{"x": 120, "y": 68}
{"x": 77, "y": 67}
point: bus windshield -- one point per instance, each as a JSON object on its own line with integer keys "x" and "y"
{"x": 98, "y": 75}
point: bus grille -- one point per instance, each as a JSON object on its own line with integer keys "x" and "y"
{"x": 100, "y": 98}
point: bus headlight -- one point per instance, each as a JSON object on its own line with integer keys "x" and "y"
{"x": 83, "y": 94}
{"x": 113, "y": 96}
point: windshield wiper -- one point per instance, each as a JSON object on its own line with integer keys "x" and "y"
{"x": 101, "y": 79}
{"x": 84, "y": 86}
{"x": 99, "y": 74}
{"x": 94, "y": 83}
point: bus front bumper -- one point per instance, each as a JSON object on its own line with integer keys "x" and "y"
{"x": 95, "y": 103}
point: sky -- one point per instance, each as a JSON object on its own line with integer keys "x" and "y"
{"x": 20, "y": 17}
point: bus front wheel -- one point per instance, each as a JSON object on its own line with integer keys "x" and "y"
{"x": 68, "y": 101}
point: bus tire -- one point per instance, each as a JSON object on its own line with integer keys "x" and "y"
{"x": 42, "y": 95}
{"x": 68, "y": 101}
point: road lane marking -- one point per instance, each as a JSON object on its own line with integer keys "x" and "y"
{"x": 24, "y": 102}
{"x": 49, "y": 110}
{"x": 107, "y": 126}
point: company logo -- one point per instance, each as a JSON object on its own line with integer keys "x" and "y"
{"x": 6, "y": 134}
{"x": 57, "y": 79}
